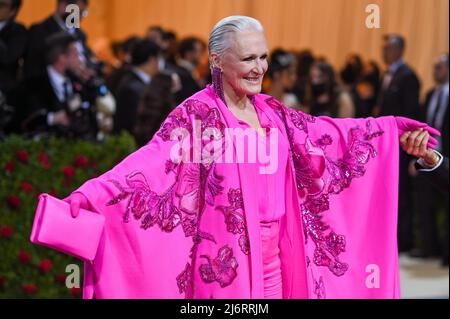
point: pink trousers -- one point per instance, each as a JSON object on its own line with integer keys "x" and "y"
{"x": 273, "y": 288}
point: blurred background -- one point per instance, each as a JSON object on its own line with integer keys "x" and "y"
{"x": 75, "y": 101}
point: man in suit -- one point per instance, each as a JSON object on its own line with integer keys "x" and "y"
{"x": 38, "y": 33}
{"x": 399, "y": 96}
{"x": 55, "y": 103}
{"x": 145, "y": 63}
{"x": 190, "y": 51}
{"x": 13, "y": 39}
{"x": 436, "y": 114}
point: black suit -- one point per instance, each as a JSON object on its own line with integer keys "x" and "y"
{"x": 189, "y": 85}
{"x": 432, "y": 192}
{"x": 116, "y": 76}
{"x": 401, "y": 98}
{"x": 40, "y": 98}
{"x": 445, "y": 124}
{"x": 129, "y": 95}
{"x": 35, "y": 55}
{"x": 13, "y": 40}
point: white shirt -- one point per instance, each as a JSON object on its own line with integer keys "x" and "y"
{"x": 2, "y": 24}
{"x": 57, "y": 81}
{"x": 433, "y": 107}
{"x": 142, "y": 75}
{"x": 390, "y": 74}
{"x": 439, "y": 163}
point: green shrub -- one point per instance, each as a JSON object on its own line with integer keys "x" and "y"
{"x": 27, "y": 169}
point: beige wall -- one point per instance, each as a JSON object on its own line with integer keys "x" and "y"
{"x": 332, "y": 28}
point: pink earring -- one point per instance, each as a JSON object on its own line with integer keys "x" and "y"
{"x": 217, "y": 83}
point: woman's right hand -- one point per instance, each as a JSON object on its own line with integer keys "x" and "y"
{"x": 77, "y": 201}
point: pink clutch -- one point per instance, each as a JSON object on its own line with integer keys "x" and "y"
{"x": 55, "y": 227}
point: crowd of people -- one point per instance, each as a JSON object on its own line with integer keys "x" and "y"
{"x": 51, "y": 83}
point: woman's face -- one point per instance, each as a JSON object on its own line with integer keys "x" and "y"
{"x": 316, "y": 76}
{"x": 289, "y": 77}
{"x": 245, "y": 63}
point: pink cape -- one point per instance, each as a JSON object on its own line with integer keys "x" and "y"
{"x": 191, "y": 230}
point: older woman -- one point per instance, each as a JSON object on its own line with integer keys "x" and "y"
{"x": 237, "y": 196}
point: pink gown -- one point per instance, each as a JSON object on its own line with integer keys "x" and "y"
{"x": 270, "y": 192}
{"x": 193, "y": 230}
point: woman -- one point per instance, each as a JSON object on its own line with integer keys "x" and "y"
{"x": 194, "y": 214}
{"x": 283, "y": 75}
{"x": 324, "y": 97}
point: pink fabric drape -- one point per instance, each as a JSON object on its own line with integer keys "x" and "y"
{"x": 191, "y": 230}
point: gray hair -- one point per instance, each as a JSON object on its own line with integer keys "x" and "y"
{"x": 219, "y": 38}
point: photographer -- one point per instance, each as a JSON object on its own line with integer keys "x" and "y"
{"x": 56, "y": 103}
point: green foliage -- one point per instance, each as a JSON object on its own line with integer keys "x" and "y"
{"x": 53, "y": 166}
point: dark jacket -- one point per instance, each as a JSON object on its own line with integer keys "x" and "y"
{"x": 445, "y": 125}
{"x": 13, "y": 40}
{"x": 401, "y": 98}
{"x": 189, "y": 85}
{"x": 129, "y": 95}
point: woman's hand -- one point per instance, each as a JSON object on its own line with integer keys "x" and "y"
{"x": 417, "y": 144}
{"x": 77, "y": 201}
{"x": 406, "y": 125}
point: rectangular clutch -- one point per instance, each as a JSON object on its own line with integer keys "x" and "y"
{"x": 55, "y": 227}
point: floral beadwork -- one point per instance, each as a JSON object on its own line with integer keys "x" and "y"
{"x": 298, "y": 118}
{"x": 183, "y": 203}
{"x": 310, "y": 166}
{"x": 234, "y": 218}
{"x": 145, "y": 204}
{"x": 319, "y": 288}
{"x": 359, "y": 152}
{"x": 221, "y": 269}
{"x": 184, "y": 280}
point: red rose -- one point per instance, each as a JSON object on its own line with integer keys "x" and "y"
{"x": 94, "y": 164}
{"x": 30, "y": 289}
{"x": 68, "y": 171}
{"x": 24, "y": 257}
{"x": 53, "y": 193}
{"x": 75, "y": 291}
{"x": 2, "y": 282}
{"x": 44, "y": 161}
{"x": 13, "y": 201}
{"x": 61, "y": 278}
{"x": 81, "y": 161}
{"x": 26, "y": 187}
{"x": 9, "y": 166}
{"x": 45, "y": 266}
{"x": 22, "y": 156}
{"x": 6, "y": 231}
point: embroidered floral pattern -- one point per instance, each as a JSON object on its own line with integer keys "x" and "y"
{"x": 146, "y": 204}
{"x": 183, "y": 203}
{"x": 319, "y": 288}
{"x": 310, "y": 166}
{"x": 298, "y": 118}
{"x": 234, "y": 218}
{"x": 176, "y": 120}
{"x": 184, "y": 281}
{"x": 221, "y": 269}
{"x": 351, "y": 165}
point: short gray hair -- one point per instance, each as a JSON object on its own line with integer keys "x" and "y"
{"x": 220, "y": 35}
